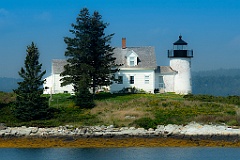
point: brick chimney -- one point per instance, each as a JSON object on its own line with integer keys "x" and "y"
{"x": 124, "y": 43}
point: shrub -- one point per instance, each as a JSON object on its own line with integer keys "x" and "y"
{"x": 131, "y": 90}
{"x": 145, "y": 123}
{"x": 6, "y": 98}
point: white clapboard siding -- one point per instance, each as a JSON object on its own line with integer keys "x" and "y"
{"x": 139, "y": 80}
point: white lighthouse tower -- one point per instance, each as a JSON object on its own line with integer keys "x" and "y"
{"x": 180, "y": 61}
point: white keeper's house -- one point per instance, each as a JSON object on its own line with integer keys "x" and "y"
{"x": 139, "y": 70}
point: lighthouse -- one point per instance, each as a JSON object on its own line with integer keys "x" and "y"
{"x": 180, "y": 61}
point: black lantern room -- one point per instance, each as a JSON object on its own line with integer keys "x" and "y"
{"x": 180, "y": 49}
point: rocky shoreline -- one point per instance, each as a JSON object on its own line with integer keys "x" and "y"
{"x": 192, "y": 131}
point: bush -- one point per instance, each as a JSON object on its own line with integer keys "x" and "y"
{"x": 145, "y": 123}
{"x": 131, "y": 90}
{"x": 209, "y": 98}
{"x": 6, "y": 98}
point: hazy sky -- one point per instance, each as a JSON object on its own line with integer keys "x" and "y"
{"x": 211, "y": 28}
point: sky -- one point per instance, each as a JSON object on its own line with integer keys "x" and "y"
{"x": 210, "y": 27}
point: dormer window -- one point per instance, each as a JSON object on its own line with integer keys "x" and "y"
{"x": 131, "y": 61}
{"x": 132, "y": 58}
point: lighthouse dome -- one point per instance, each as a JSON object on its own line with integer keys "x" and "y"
{"x": 180, "y": 50}
{"x": 180, "y": 41}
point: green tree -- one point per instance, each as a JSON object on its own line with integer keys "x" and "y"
{"x": 83, "y": 97}
{"x": 89, "y": 54}
{"x": 29, "y": 103}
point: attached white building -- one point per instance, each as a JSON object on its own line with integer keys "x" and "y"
{"x": 139, "y": 70}
{"x": 52, "y": 84}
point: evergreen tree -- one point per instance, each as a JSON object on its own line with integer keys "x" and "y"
{"x": 29, "y": 103}
{"x": 89, "y": 54}
{"x": 84, "y": 98}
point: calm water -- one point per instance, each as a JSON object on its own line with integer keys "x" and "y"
{"x": 122, "y": 153}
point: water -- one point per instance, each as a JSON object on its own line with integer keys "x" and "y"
{"x": 121, "y": 154}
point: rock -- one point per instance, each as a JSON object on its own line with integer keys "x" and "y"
{"x": 103, "y": 127}
{"x": 34, "y": 129}
{"x": 141, "y": 129}
{"x": 20, "y": 131}
{"x": 2, "y": 126}
{"x": 69, "y": 126}
{"x": 111, "y": 126}
{"x": 24, "y": 132}
{"x": 130, "y": 117}
{"x": 150, "y": 129}
{"x": 160, "y": 127}
{"x": 2, "y": 132}
{"x": 97, "y": 129}
{"x": 123, "y": 128}
{"x": 83, "y": 131}
{"x": 172, "y": 129}
{"x": 159, "y": 130}
{"x": 98, "y": 134}
{"x": 190, "y": 131}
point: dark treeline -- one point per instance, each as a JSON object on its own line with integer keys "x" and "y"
{"x": 222, "y": 82}
{"x": 8, "y": 84}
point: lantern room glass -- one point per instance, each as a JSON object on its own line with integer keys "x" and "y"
{"x": 179, "y": 47}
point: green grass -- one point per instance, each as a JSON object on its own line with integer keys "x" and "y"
{"x": 141, "y": 110}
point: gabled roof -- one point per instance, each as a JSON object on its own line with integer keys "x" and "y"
{"x": 131, "y": 52}
{"x": 146, "y": 57}
{"x": 165, "y": 70}
{"x": 58, "y": 66}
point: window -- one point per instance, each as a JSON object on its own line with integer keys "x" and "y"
{"x": 131, "y": 58}
{"x": 131, "y": 61}
{"x": 161, "y": 85}
{"x": 131, "y": 79}
{"x": 120, "y": 79}
{"x": 146, "y": 79}
{"x": 161, "y": 82}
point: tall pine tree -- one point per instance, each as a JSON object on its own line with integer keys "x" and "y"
{"x": 29, "y": 103}
{"x": 89, "y": 54}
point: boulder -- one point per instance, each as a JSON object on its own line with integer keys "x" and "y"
{"x": 172, "y": 129}
{"x": 2, "y": 126}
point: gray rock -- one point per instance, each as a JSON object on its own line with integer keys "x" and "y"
{"x": 192, "y": 130}
{"x": 172, "y": 129}
{"x": 123, "y": 128}
{"x": 111, "y": 126}
{"x": 2, "y": 132}
{"x": 83, "y": 131}
{"x": 2, "y": 126}
{"x": 160, "y": 127}
{"x": 24, "y": 132}
{"x": 34, "y": 129}
{"x": 150, "y": 129}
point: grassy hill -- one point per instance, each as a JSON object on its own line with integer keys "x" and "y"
{"x": 141, "y": 110}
